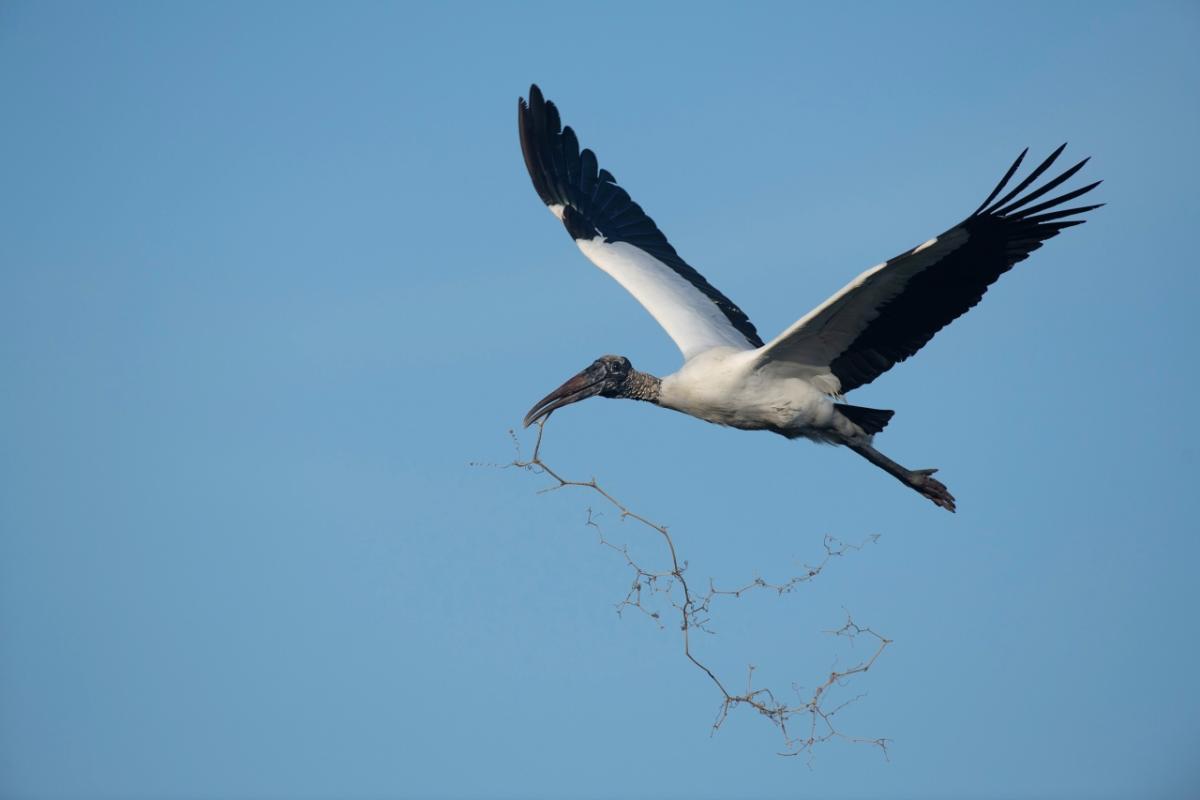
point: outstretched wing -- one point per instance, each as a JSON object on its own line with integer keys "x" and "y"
{"x": 889, "y": 312}
{"x": 621, "y": 239}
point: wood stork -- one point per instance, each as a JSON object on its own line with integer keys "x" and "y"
{"x": 793, "y": 385}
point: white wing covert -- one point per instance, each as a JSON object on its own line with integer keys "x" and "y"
{"x": 617, "y": 236}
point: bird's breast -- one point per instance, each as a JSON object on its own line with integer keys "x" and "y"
{"x": 721, "y": 387}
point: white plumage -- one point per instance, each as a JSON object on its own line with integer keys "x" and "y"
{"x": 683, "y": 311}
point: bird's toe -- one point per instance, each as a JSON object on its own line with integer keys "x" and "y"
{"x": 933, "y": 489}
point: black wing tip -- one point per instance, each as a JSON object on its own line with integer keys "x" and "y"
{"x": 1015, "y": 204}
{"x": 532, "y": 119}
{"x": 1003, "y": 182}
{"x": 538, "y": 109}
{"x": 535, "y": 98}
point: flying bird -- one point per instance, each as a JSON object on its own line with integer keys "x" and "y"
{"x": 795, "y": 384}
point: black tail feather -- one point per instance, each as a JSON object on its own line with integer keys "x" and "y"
{"x": 871, "y": 420}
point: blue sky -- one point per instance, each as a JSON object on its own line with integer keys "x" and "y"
{"x": 272, "y": 277}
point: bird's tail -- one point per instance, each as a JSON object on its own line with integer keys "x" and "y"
{"x": 871, "y": 420}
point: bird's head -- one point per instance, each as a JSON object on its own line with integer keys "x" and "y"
{"x": 607, "y": 376}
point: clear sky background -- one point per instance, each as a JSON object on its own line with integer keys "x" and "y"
{"x": 271, "y": 276}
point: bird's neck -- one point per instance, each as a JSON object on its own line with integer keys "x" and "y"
{"x": 642, "y": 386}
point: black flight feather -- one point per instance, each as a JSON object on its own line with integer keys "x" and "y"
{"x": 996, "y": 239}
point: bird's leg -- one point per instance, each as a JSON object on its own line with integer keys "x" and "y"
{"x": 920, "y": 479}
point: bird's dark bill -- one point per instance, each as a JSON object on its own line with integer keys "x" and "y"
{"x": 584, "y": 385}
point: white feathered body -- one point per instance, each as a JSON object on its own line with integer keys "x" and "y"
{"x": 723, "y": 386}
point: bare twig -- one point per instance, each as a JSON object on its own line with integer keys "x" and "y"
{"x": 694, "y": 609}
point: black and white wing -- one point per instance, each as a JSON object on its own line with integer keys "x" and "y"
{"x": 621, "y": 239}
{"x": 890, "y": 311}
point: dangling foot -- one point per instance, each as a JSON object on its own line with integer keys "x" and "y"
{"x": 918, "y": 479}
{"x": 922, "y": 480}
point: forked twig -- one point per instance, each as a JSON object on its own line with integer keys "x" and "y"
{"x": 694, "y": 613}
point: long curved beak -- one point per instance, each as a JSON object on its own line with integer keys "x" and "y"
{"x": 588, "y": 383}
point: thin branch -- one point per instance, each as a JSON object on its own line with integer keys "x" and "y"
{"x": 694, "y": 610}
